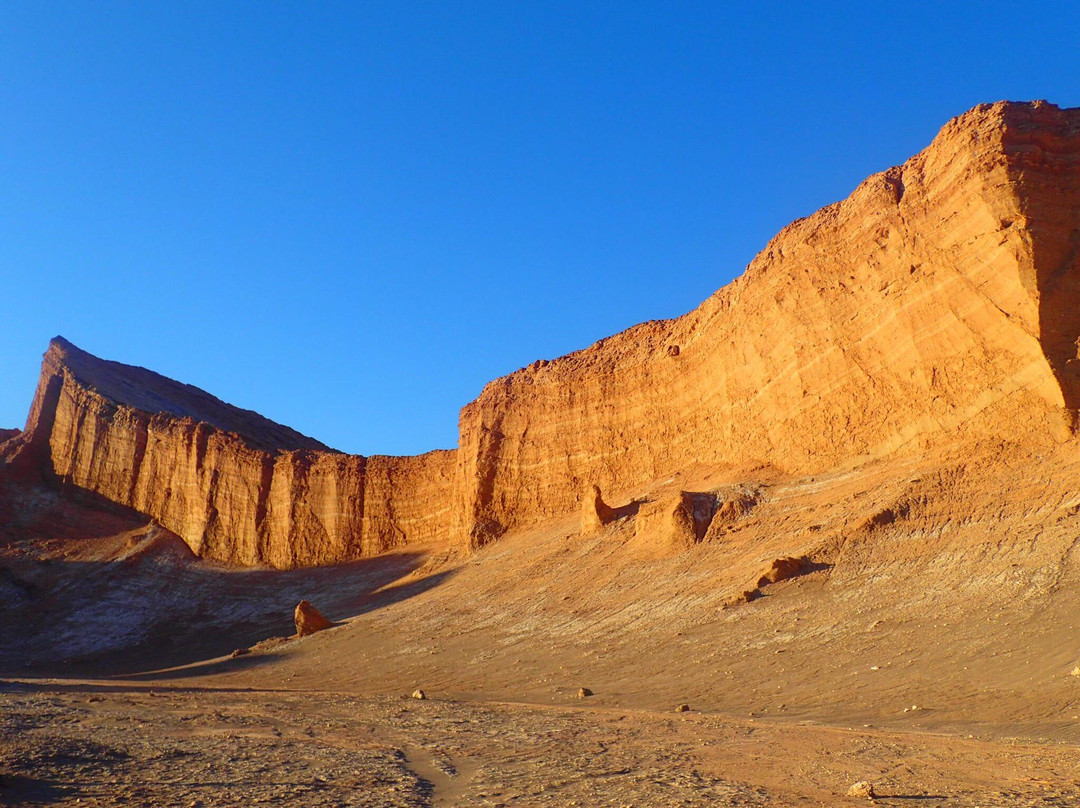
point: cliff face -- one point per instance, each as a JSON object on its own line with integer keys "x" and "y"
{"x": 938, "y": 303}
{"x": 235, "y": 486}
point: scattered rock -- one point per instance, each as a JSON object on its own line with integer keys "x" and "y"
{"x": 309, "y": 620}
{"x": 584, "y": 692}
{"x": 239, "y": 652}
{"x": 419, "y": 694}
{"x": 863, "y": 788}
{"x": 683, "y": 708}
{"x": 784, "y": 568}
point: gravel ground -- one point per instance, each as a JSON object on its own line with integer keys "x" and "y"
{"x": 85, "y": 744}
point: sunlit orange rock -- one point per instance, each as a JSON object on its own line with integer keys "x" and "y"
{"x": 938, "y": 304}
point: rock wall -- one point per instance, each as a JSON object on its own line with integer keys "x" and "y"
{"x": 938, "y": 303}
{"x": 266, "y": 495}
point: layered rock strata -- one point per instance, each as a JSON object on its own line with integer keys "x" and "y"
{"x": 939, "y": 302}
{"x": 235, "y": 486}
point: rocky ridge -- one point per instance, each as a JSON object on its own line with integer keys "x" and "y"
{"x": 936, "y": 305}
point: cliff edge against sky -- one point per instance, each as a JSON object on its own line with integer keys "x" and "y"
{"x": 939, "y": 304}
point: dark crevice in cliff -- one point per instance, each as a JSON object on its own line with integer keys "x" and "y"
{"x": 1043, "y": 152}
{"x": 266, "y": 480}
{"x": 138, "y": 454}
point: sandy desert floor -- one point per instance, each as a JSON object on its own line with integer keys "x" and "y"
{"x": 929, "y": 653}
{"x": 68, "y": 743}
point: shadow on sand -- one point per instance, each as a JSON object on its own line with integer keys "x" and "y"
{"x": 158, "y": 611}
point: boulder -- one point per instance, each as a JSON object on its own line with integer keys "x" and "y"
{"x": 863, "y": 788}
{"x": 784, "y": 568}
{"x": 309, "y": 620}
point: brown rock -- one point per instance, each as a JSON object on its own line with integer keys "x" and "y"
{"x": 309, "y": 620}
{"x": 863, "y": 788}
{"x": 584, "y": 692}
{"x": 419, "y": 694}
{"x": 784, "y": 568}
{"x": 683, "y": 708}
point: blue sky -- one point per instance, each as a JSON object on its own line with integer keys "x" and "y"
{"x": 350, "y": 216}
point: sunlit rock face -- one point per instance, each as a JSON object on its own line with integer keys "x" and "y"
{"x": 936, "y": 305}
{"x": 939, "y": 302}
{"x": 235, "y": 486}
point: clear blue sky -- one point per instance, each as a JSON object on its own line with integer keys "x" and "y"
{"x": 350, "y": 216}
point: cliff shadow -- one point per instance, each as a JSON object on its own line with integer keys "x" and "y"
{"x": 1057, "y": 259}
{"x": 161, "y": 610}
{"x": 1047, "y": 178}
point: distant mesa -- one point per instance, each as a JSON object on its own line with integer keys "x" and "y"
{"x": 939, "y": 304}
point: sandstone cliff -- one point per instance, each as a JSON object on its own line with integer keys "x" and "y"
{"x": 235, "y": 486}
{"x": 938, "y": 303}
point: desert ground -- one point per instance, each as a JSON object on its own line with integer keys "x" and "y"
{"x": 923, "y": 653}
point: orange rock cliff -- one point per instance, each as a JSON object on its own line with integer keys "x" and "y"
{"x": 940, "y": 302}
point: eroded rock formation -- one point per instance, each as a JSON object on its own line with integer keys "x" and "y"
{"x": 237, "y": 487}
{"x": 675, "y": 522}
{"x": 938, "y": 303}
{"x": 595, "y": 513}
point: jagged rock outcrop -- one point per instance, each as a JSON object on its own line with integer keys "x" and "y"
{"x": 595, "y": 513}
{"x": 938, "y": 303}
{"x": 675, "y": 522}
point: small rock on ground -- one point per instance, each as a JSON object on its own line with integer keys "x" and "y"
{"x": 863, "y": 788}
